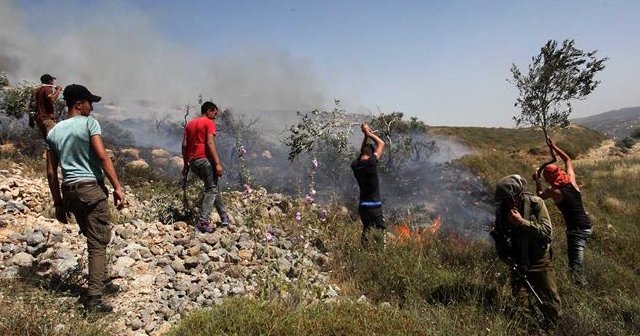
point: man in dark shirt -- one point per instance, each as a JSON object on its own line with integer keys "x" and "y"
{"x": 45, "y": 96}
{"x": 365, "y": 169}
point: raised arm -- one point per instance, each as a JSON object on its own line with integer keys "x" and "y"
{"x": 53, "y": 96}
{"x": 109, "y": 170}
{"x": 379, "y": 142}
{"x": 567, "y": 160}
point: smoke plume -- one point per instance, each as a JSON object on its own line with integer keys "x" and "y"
{"x": 117, "y": 52}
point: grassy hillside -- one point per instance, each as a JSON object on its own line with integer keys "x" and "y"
{"x": 455, "y": 285}
{"x": 436, "y": 285}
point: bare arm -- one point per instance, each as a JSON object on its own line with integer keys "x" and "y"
{"x": 185, "y": 162}
{"x": 109, "y": 170}
{"x": 379, "y": 142}
{"x": 52, "y": 177}
{"x": 567, "y": 160}
{"x": 212, "y": 152}
{"x": 53, "y": 96}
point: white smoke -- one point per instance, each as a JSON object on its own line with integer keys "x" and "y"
{"x": 117, "y": 52}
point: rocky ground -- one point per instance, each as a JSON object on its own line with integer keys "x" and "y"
{"x": 166, "y": 269}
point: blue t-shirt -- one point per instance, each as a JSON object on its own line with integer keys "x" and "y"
{"x": 70, "y": 140}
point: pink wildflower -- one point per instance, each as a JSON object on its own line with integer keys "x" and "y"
{"x": 308, "y": 200}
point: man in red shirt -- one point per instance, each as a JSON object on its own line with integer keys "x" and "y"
{"x": 199, "y": 153}
{"x": 45, "y": 96}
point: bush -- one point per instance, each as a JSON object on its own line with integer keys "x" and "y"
{"x": 625, "y": 144}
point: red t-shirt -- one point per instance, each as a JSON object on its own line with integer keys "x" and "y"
{"x": 196, "y": 133}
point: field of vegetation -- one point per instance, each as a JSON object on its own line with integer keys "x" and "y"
{"x": 448, "y": 285}
{"x": 445, "y": 284}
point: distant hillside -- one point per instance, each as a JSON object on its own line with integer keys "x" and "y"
{"x": 616, "y": 124}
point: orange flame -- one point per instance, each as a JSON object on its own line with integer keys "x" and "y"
{"x": 435, "y": 225}
{"x": 401, "y": 231}
{"x": 404, "y": 232}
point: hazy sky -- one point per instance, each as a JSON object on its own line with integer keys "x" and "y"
{"x": 445, "y": 62}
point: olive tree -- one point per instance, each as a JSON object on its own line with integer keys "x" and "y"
{"x": 556, "y": 76}
{"x": 324, "y": 136}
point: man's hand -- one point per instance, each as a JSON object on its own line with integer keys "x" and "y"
{"x": 514, "y": 217}
{"x": 219, "y": 170}
{"x": 118, "y": 199}
{"x": 366, "y": 129}
{"x": 61, "y": 214}
{"x": 550, "y": 143}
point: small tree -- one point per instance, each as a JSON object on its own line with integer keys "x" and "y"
{"x": 324, "y": 135}
{"x": 406, "y": 140}
{"x": 557, "y": 75}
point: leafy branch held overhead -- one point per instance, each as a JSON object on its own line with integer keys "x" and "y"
{"x": 557, "y": 75}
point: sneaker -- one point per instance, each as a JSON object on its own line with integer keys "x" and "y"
{"x": 203, "y": 226}
{"x": 225, "y": 221}
{"x": 95, "y": 304}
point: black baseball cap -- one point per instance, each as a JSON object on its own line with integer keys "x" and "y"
{"x": 75, "y": 92}
{"x": 46, "y": 78}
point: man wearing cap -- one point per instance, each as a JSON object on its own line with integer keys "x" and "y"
{"x": 45, "y": 96}
{"x": 523, "y": 235}
{"x": 199, "y": 153}
{"x": 75, "y": 144}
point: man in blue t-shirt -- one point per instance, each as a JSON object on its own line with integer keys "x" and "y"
{"x": 75, "y": 144}
{"x": 365, "y": 169}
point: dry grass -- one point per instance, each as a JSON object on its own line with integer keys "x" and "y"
{"x": 28, "y": 310}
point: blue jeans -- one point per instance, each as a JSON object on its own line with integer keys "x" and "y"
{"x": 204, "y": 169}
{"x": 576, "y": 244}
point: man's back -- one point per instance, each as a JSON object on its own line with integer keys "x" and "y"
{"x": 196, "y": 133}
{"x": 70, "y": 139}
{"x": 43, "y": 102}
{"x": 366, "y": 173}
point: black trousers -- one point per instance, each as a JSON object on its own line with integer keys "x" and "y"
{"x": 372, "y": 218}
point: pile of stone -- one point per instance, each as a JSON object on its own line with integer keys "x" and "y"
{"x": 166, "y": 270}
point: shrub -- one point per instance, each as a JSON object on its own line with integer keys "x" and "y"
{"x": 625, "y": 144}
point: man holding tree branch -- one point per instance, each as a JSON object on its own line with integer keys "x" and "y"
{"x": 365, "y": 169}
{"x": 565, "y": 193}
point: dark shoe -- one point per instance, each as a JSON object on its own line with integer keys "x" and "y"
{"x": 225, "y": 221}
{"x": 95, "y": 304}
{"x": 111, "y": 288}
{"x": 203, "y": 226}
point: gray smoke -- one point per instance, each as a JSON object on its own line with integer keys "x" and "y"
{"x": 116, "y": 51}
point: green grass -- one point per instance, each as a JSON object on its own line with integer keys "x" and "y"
{"x": 453, "y": 285}
{"x": 456, "y": 286}
{"x": 254, "y": 317}
{"x": 29, "y": 310}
